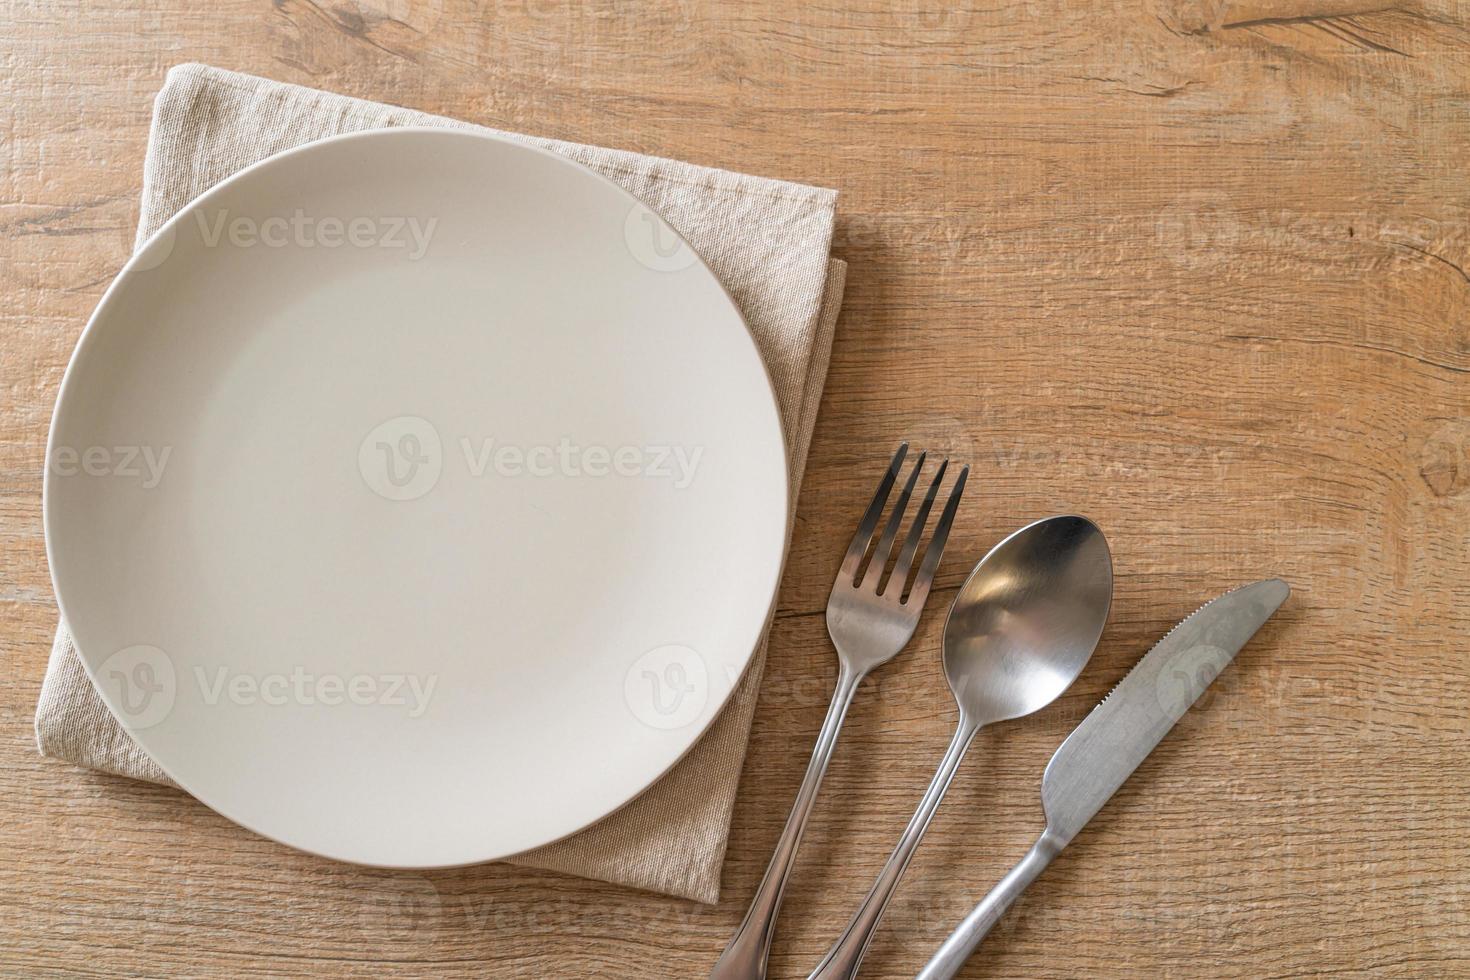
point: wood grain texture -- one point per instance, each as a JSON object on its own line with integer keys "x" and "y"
{"x": 1195, "y": 268}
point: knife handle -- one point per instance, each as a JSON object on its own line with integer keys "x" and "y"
{"x": 946, "y": 962}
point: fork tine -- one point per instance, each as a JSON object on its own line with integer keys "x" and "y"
{"x": 870, "y": 519}
{"x": 925, "y": 578}
{"x": 900, "y": 573}
{"x": 890, "y": 530}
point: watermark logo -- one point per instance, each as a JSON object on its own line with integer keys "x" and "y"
{"x": 1183, "y": 682}
{"x": 930, "y": 18}
{"x": 654, "y": 244}
{"x": 667, "y": 687}
{"x": 1198, "y": 228}
{"x": 141, "y": 464}
{"x": 402, "y": 458}
{"x": 419, "y": 16}
{"x": 401, "y": 908}
{"x": 143, "y": 683}
{"x": 156, "y": 251}
{"x": 1444, "y": 459}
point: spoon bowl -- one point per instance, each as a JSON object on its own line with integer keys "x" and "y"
{"x": 1027, "y": 619}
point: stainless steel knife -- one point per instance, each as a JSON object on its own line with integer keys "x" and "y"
{"x": 1102, "y": 752}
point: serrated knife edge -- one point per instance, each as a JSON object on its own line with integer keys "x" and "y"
{"x": 1118, "y": 734}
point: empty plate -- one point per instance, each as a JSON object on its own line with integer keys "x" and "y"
{"x": 416, "y": 497}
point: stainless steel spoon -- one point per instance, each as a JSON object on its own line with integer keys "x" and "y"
{"x": 1020, "y": 631}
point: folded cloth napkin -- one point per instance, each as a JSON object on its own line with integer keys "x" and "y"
{"x": 768, "y": 242}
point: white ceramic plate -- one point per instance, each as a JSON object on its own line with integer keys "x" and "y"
{"x": 416, "y": 498}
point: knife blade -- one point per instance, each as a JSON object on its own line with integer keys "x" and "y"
{"x": 1115, "y": 738}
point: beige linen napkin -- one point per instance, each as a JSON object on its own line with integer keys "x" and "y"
{"x": 766, "y": 240}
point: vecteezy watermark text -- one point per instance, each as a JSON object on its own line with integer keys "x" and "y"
{"x": 303, "y": 230}
{"x": 143, "y": 686}
{"x": 305, "y": 688}
{"x": 142, "y": 463}
{"x": 567, "y": 458}
{"x": 403, "y": 458}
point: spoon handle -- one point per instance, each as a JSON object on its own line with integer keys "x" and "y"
{"x": 841, "y": 961}
{"x": 745, "y": 957}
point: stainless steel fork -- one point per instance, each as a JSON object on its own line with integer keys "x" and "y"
{"x": 870, "y": 617}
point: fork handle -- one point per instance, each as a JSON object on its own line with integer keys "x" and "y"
{"x": 745, "y": 957}
{"x": 842, "y": 960}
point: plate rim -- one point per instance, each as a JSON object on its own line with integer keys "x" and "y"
{"x": 139, "y": 255}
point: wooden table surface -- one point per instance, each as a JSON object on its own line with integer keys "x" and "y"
{"x": 1194, "y": 268}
